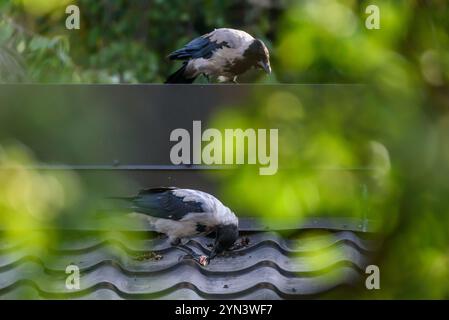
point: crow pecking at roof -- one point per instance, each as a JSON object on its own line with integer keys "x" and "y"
{"x": 222, "y": 54}
{"x": 184, "y": 213}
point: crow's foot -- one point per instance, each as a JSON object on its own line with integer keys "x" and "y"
{"x": 192, "y": 255}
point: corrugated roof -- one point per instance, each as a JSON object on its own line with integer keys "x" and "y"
{"x": 269, "y": 265}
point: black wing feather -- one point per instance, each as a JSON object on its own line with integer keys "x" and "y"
{"x": 201, "y": 47}
{"x": 162, "y": 203}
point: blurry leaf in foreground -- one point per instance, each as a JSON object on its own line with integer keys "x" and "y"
{"x": 324, "y": 256}
{"x": 29, "y": 199}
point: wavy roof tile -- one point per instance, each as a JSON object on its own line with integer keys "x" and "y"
{"x": 270, "y": 265}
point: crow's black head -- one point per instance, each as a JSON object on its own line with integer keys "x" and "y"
{"x": 258, "y": 53}
{"x": 225, "y": 238}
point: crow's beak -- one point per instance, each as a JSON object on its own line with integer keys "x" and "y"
{"x": 266, "y": 66}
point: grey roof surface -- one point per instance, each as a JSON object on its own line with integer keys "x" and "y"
{"x": 269, "y": 265}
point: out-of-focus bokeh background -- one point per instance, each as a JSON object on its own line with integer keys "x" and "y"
{"x": 375, "y": 148}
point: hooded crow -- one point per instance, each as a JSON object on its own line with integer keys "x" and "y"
{"x": 184, "y": 213}
{"x": 222, "y": 54}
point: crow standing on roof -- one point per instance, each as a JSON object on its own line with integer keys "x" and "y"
{"x": 222, "y": 54}
{"x": 184, "y": 213}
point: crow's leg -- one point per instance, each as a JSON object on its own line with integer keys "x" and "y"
{"x": 202, "y": 260}
{"x": 189, "y": 251}
{"x": 234, "y": 80}
{"x": 178, "y": 244}
{"x": 191, "y": 255}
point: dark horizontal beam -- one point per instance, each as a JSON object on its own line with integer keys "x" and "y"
{"x": 167, "y": 167}
{"x": 246, "y": 224}
{"x": 163, "y": 85}
{"x": 130, "y": 167}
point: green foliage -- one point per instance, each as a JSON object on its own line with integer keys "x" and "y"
{"x": 27, "y": 57}
{"x": 122, "y": 41}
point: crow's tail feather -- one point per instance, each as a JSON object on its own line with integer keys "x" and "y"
{"x": 117, "y": 205}
{"x": 179, "y": 76}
